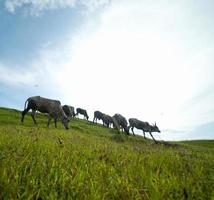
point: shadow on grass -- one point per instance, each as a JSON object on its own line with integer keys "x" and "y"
{"x": 168, "y": 144}
{"x": 118, "y": 138}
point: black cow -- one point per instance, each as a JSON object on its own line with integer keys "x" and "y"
{"x": 122, "y": 122}
{"x": 52, "y": 107}
{"x": 69, "y": 110}
{"x": 98, "y": 116}
{"x": 107, "y": 120}
{"x": 82, "y": 112}
{"x": 144, "y": 126}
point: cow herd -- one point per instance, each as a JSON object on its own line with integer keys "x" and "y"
{"x": 55, "y": 110}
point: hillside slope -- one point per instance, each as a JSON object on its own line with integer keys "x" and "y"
{"x": 89, "y": 161}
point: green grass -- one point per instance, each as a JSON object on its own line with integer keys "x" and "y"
{"x": 200, "y": 143}
{"x": 91, "y": 162}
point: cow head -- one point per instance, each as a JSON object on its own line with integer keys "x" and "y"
{"x": 126, "y": 129}
{"x": 155, "y": 128}
{"x": 87, "y": 117}
{"x": 65, "y": 122}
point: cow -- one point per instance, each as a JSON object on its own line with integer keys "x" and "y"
{"x": 121, "y": 122}
{"x": 98, "y": 116}
{"x": 144, "y": 126}
{"x": 82, "y": 112}
{"x": 52, "y": 107}
{"x": 69, "y": 111}
{"x": 72, "y": 111}
{"x": 107, "y": 120}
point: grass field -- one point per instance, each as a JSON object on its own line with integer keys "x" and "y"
{"x": 91, "y": 162}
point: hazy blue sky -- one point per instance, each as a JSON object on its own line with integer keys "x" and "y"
{"x": 152, "y": 60}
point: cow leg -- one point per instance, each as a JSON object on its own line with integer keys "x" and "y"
{"x": 133, "y": 131}
{"x": 132, "y": 128}
{"x": 33, "y": 116}
{"x": 49, "y": 120}
{"x": 144, "y": 134}
{"x": 55, "y": 122}
{"x": 24, "y": 113}
{"x": 152, "y": 137}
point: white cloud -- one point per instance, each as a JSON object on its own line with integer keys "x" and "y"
{"x": 36, "y": 7}
{"x": 132, "y": 65}
{"x": 40, "y": 72}
{"x": 11, "y": 77}
{"x": 139, "y": 60}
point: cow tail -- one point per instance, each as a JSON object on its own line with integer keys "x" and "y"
{"x": 26, "y": 103}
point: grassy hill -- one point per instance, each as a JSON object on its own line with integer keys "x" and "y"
{"x": 92, "y": 162}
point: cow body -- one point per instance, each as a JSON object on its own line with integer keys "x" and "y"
{"x": 98, "y": 116}
{"x": 121, "y": 122}
{"x": 52, "y": 107}
{"x": 69, "y": 110}
{"x": 107, "y": 120}
{"x": 144, "y": 126}
{"x": 82, "y": 112}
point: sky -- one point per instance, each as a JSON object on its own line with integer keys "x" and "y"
{"x": 146, "y": 59}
